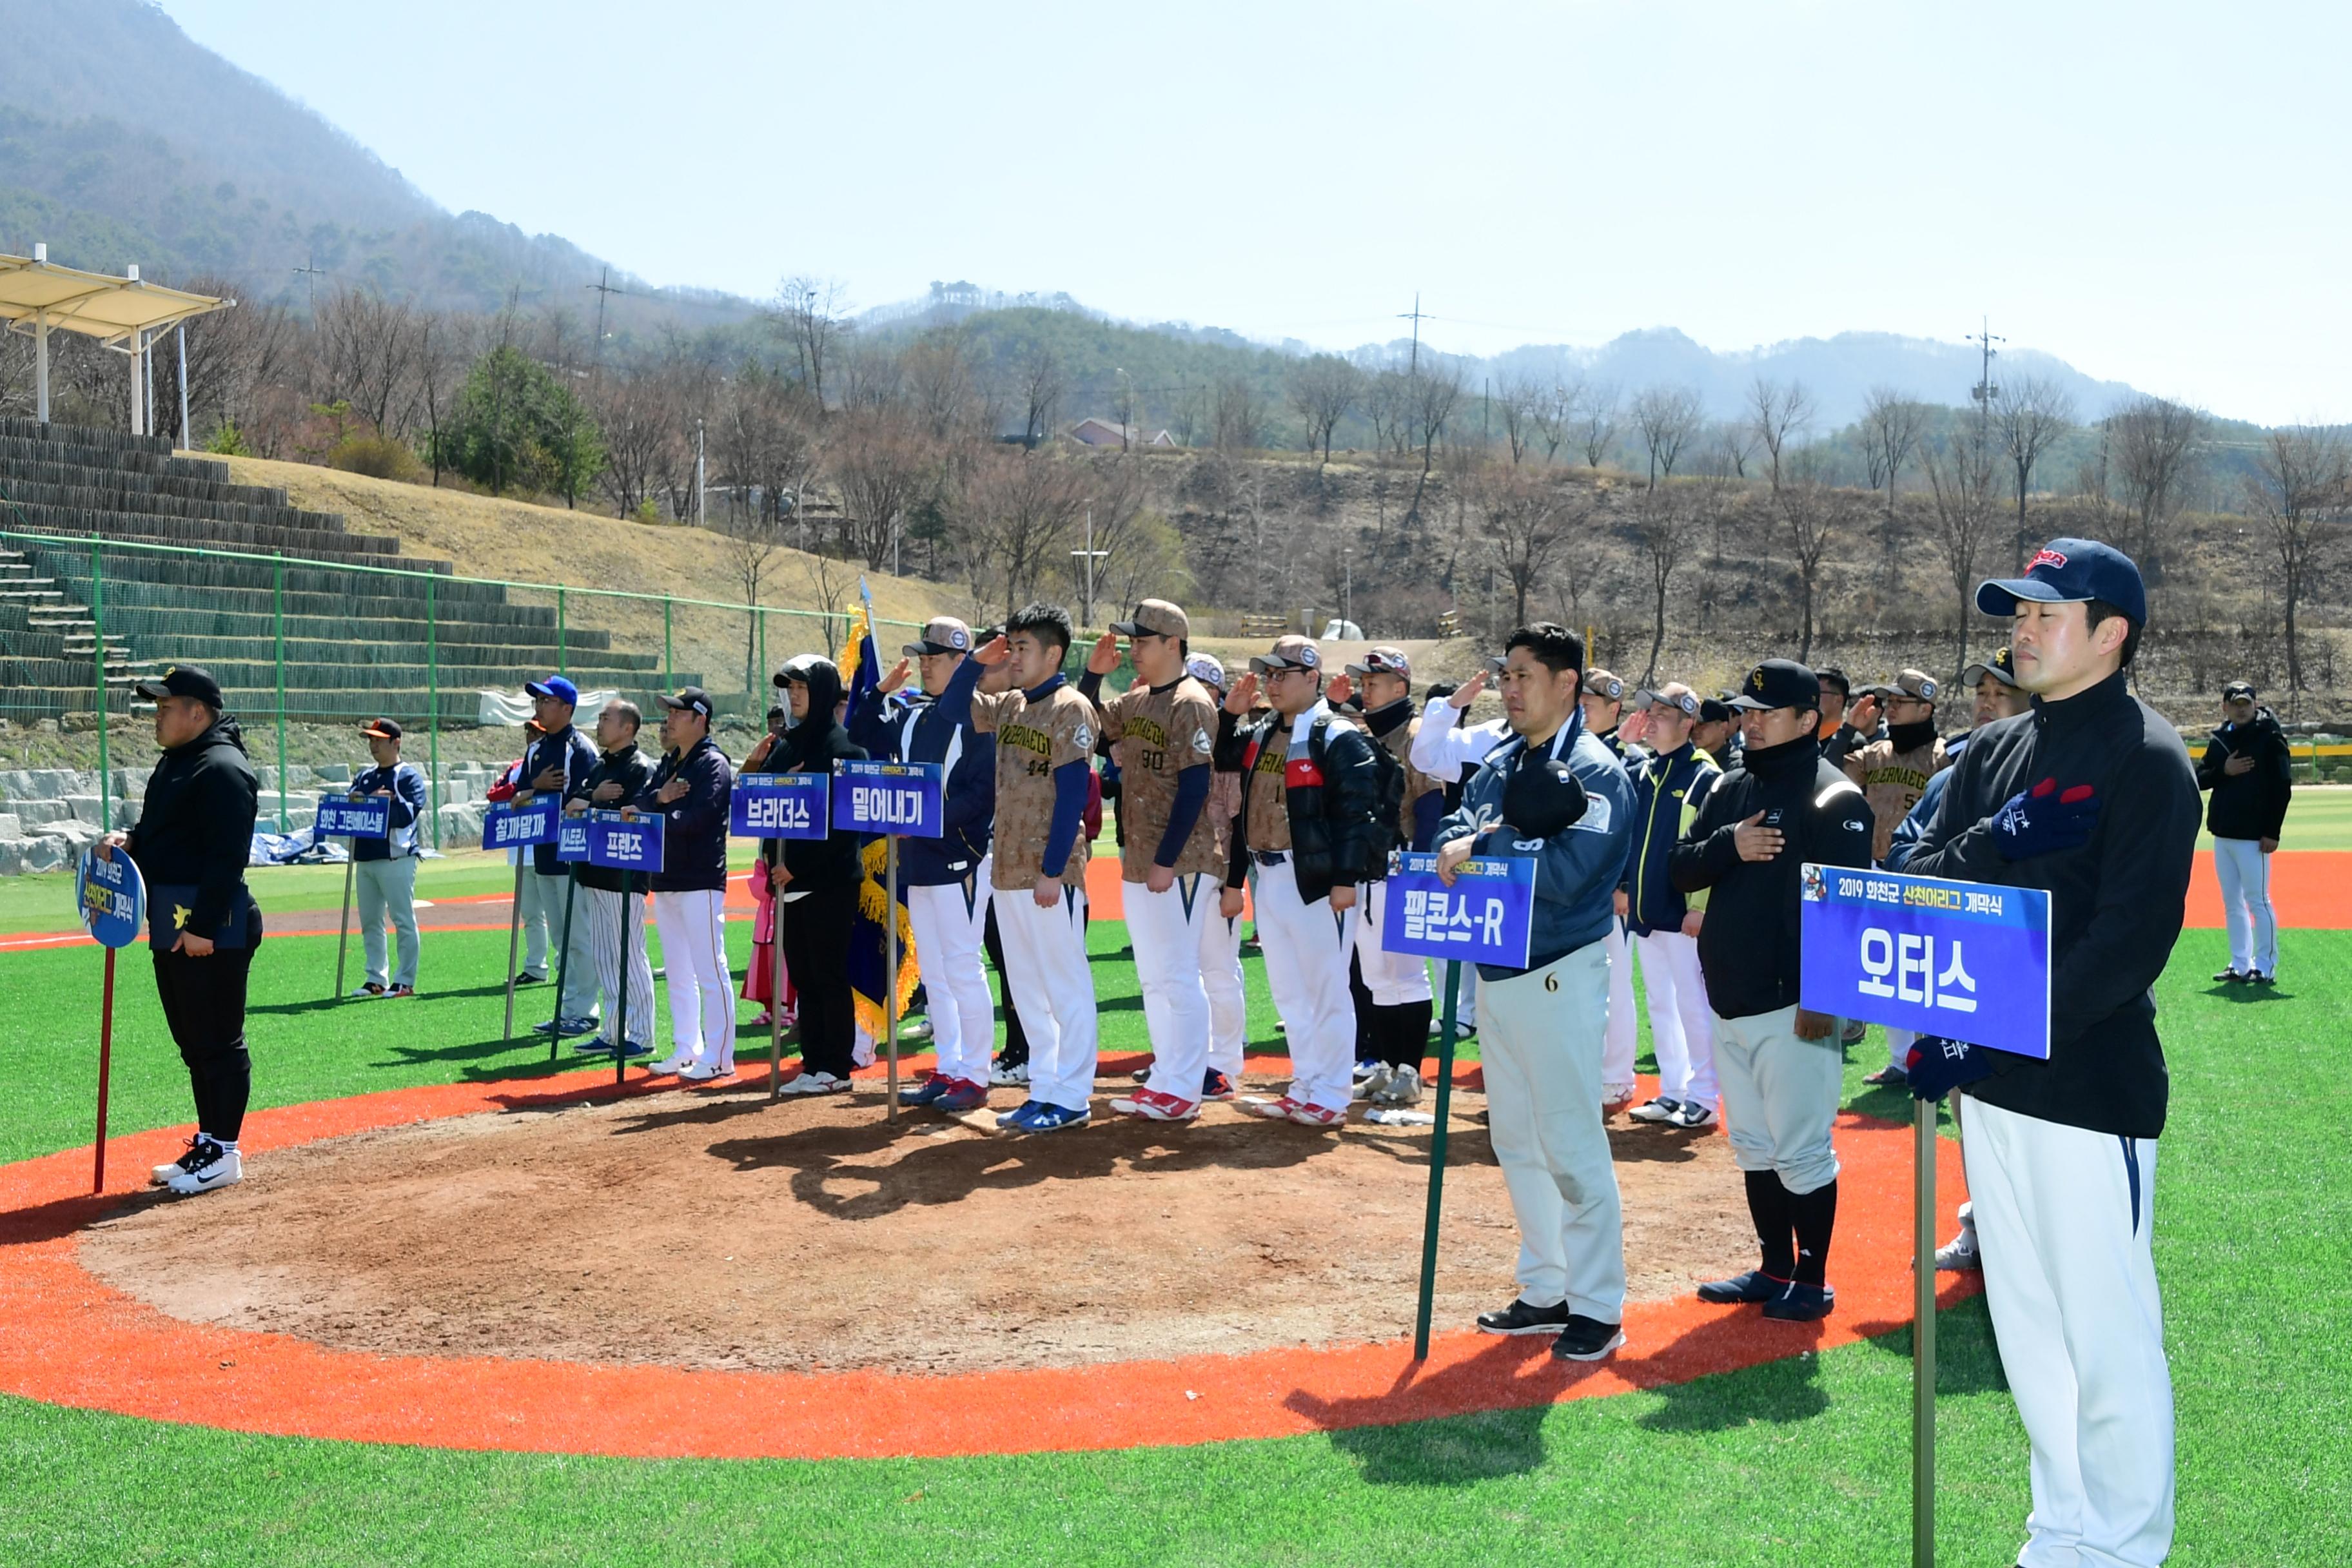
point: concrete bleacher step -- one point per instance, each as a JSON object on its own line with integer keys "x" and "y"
{"x": 204, "y": 534}
{"x": 94, "y": 494}
{"x": 48, "y": 470}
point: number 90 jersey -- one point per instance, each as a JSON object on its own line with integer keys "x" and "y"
{"x": 1159, "y": 731}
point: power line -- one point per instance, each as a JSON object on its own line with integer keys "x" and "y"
{"x": 316, "y": 272}
{"x": 1416, "y": 317}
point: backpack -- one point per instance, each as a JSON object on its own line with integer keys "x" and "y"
{"x": 1388, "y": 809}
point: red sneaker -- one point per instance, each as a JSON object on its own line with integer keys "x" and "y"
{"x": 1280, "y": 1110}
{"x": 1154, "y": 1105}
{"x": 1316, "y": 1116}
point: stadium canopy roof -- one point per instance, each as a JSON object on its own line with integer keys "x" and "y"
{"x": 37, "y": 297}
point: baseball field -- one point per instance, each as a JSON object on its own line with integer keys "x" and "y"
{"x": 470, "y": 1309}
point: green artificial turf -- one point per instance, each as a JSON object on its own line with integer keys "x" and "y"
{"x": 1804, "y": 1461}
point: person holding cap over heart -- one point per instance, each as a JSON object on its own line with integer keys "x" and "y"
{"x": 2090, "y": 798}
{"x": 385, "y": 868}
{"x": 691, "y": 787}
{"x": 556, "y": 763}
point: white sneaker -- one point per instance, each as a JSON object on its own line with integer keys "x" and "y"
{"x": 701, "y": 1071}
{"x": 1694, "y": 1114}
{"x": 211, "y": 1167}
{"x": 1375, "y": 1081}
{"x": 1658, "y": 1109}
{"x": 1958, "y": 1256}
{"x": 676, "y": 1062}
{"x": 1398, "y": 1086}
{"x": 164, "y": 1173}
{"x": 1013, "y": 1077}
{"x": 814, "y": 1083}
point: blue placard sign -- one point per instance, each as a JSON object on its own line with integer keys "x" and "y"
{"x": 1484, "y": 917}
{"x": 624, "y": 844}
{"x": 508, "y": 826}
{"x": 778, "y": 805}
{"x": 1969, "y": 961}
{"x": 887, "y": 797}
{"x": 342, "y": 818}
{"x": 112, "y": 899}
{"x": 572, "y": 836}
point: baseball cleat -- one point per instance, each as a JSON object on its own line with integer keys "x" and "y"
{"x": 1614, "y": 1097}
{"x": 703, "y": 1072}
{"x": 1743, "y": 1289}
{"x": 961, "y": 1095}
{"x": 1520, "y": 1318}
{"x": 1215, "y": 1085}
{"x": 565, "y": 1029}
{"x": 372, "y": 989}
{"x": 1009, "y": 1075}
{"x": 1144, "y": 1073}
{"x": 674, "y": 1062}
{"x": 1801, "y": 1303}
{"x": 1372, "y": 1081}
{"x": 1318, "y": 1116}
{"x": 1400, "y": 1086}
{"x": 926, "y": 1092}
{"x": 164, "y": 1173}
{"x": 1959, "y": 1255}
{"x": 1277, "y": 1109}
{"x": 919, "y": 1029}
{"x": 1586, "y": 1338}
{"x": 1155, "y": 1105}
{"x": 527, "y": 978}
{"x": 1693, "y": 1114}
{"x": 1366, "y": 1068}
{"x": 2231, "y": 977}
{"x": 1054, "y": 1119}
{"x": 594, "y": 1045}
{"x": 2259, "y": 979}
{"x": 1888, "y": 1076}
{"x": 810, "y": 1083}
{"x": 209, "y": 1168}
{"x": 1012, "y": 1121}
{"x": 1661, "y": 1110}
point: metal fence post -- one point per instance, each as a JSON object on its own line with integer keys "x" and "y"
{"x": 433, "y": 705}
{"x": 277, "y": 601}
{"x": 562, "y": 655}
{"x": 669, "y": 664}
{"x": 760, "y": 615}
{"x": 98, "y": 678}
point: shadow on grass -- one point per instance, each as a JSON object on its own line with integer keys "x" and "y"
{"x": 1392, "y": 1448}
{"x": 2241, "y": 995}
{"x": 1968, "y": 1357}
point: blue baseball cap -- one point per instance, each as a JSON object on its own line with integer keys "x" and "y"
{"x": 554, "y": 686}
{"x": 2067, "y": 572}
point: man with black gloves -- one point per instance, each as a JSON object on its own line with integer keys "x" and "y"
{"x": 1779, "y": 1064}
{"x": 2093, "y": 799}
{"x": 1553, "y": 792}
{"x": 944, "y": 880}
{"x": 615, "y": 921}
{"x": 1670, "y": 785}
{"x": 555, "y": 765}
{"x": 1398, "y": 1016}
{"x": 691, "y": 788}
{"x": 2251, "y": 773}
{"x": 384, "y": 869}
{"x": 194, "y": 836}
{"x": 1310, "y": 797}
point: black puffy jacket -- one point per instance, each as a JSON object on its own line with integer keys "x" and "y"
{"x": 196, "y": 826}
{"x": 2248, "y": 806}
{"x": 1333, "y": 803}
{"x": 813, "y": 746}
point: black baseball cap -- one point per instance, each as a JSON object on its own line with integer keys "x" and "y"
{"x": 690, "y": 700}
{"x": 381, "y": 729}
{"x": 2067, "y": 572}
{"x": 1832, "y": 677}
{"x": 1714, "y": 711}
{"x": 182, "y": 680}
{"x": 2238, "y": 691}
{"x": 1778, "y": 683}
{"x": 2001, "y": 666}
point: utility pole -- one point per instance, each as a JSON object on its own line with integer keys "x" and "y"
{"x": 1087, "y": 608}
{"x": 1984, "y": 392}
{"x": 1347, "y": 584}
{"x": 315, "y": 273}
{"x": 603, "y": 289}
{"x": 1415, "y": 316}
{"x": 699, "y": 484}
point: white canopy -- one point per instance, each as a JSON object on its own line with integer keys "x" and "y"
{"x": 38, "y": 297}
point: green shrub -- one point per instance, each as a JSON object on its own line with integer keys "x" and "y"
{"x": 376, "y": 455}
{"x": 228, "y": 441}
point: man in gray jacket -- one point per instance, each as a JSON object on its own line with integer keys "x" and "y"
{"x": 1554, "y": 793}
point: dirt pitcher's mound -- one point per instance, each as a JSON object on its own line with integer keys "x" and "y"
{"x": 718, "y": 1230}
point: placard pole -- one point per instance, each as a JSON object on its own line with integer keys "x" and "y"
{"x": 343, "y": 925}
{"x": 514, "y": 937}
{"x": 105, "y": 1072}
{"x": 1437, "y": 1163}
{"x": 621, "y": 1017}
{"x": 890, "y": 962}
{"x": 1922, "y": 1335}
{"x": 775, "y": 982}
{"x": 563, "y": 959}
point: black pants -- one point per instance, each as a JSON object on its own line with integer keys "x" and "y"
{"x": 814, "y": 931}
{"x": 204, "y": 1003}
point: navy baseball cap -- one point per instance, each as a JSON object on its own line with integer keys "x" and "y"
{"x": 2068, "y": 571}
{"x": 690, "y": 700}
{"x": 1778, "y": 683}
{"x": 182, "y": 680}
{"x": 554, "y": 686}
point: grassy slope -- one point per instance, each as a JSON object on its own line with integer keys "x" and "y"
{"x": 1802, "y": 1461}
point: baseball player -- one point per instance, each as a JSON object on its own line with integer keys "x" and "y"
{"x": 555, "y": 765}
{"x": 1310, "y": 795}
{"x": 1717, "y": 731}
{"x": 1045, "y": 743}
{"x": 1893, "y": 771}
{"x": 194, "y": 835}
{"x": 620, "y": 775}
{"x": 1399, "y": 983}
{"x": 2251, "y": 773}
{"x": 1780, "y": 1065}
{"x": 1163, "y": 728}
{"x": 528, "y": 912}
{"x": 1221, "y": 935}
{"x": 1552, "y": 791}
{"x": 1449, "y": 751}
{"x": 2093, "y": 798}
{"x": 385, "y": 867}
{"x": 691, "y": 787}
{"x": 1672, "y": 781}
{"x": 817, "y": 882}
{"x": 946, "y": 879}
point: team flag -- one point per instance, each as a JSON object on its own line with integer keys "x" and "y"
{"x": 861, "y": 673}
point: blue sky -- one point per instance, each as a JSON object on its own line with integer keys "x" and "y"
{"x": 2152, "y": 191}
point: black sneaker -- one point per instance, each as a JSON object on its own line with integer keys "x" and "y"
{"x": 1586, "y": 1338}
{"x": 2231, "y": 978}
{"x": 2260, "y": 979}
{"x": 1743, "y": 1289}
{"x": 1518, "y": 1318}
{"x": 527, "y": 978}
{"x": 1801, "y": 1303}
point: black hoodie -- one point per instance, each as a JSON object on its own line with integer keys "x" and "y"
{"x": 196, "y": 828}
{"x": 812, "y": 746}
{"x": 2248, "y": 806}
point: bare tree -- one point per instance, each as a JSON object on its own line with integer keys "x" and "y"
{"x": 367, "y": 345}
{"x": 2154, "y": 443}
{"x": 810, "y": 316}
{"x": 883, "y": 468}
{"x": 1237, "y": 415}
{"x": 445, "y": 345}
{"x": 634, "y": 411}
{"x": 1386, "y": 405}
{"x": 1664, "y": 527}
{"x": 1431, "y": 393}
{"x": 1731, "y": 444}
{"x": 1038, "y": 383}
{"x": 1518, "y": 402}
{"x": 1961, "y": 473}
{"x": 767, "y": 450}
{"x": 1192, "y": 414}
{"x": 941, "y": 387}
{"x": 1810, "y": 513}
{"x": 1667, "y": 417}
{"x": 2301, "y": 489}
{"x": 1595, "y": 423}
{"x": 2031, "y": 414}
{"x": 1529, "y": 521}
{"x": 1891, "y": 427}
{"x": 1778, "y": 413}
{"x": 1551, "y": 412}
{"x": 1323, "y": 388}
{"x": 1015, "y": 517}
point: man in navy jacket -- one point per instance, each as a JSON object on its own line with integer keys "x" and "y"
{"x": 691, "y": 788}
{"x": 556, "y": 763}
{"x": 1669, "y": 786}
{"x": 384, "y": 869}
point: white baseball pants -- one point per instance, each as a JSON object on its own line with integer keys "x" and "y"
{"x": 533, "y": 902}
{"x": 1045, "y": 963}
{"x": 604, "y": 913}
{"x": 2065, "y": 1218}
{"x": 1394, "y": 978}
{"x": 575, "y": 961}
{"x": 1781, "y": 1097}
{"x": 1165, "y": 932}
{"x": 1540, "y": 1047}
{"x": 950, "y": 922}
{"x": 1617, "y": 1046}
{"x": 1465, "y": 993}
{"x": 702, "y": 992}
{"x": 388, "y": 889}
{"x": 1221, "y": 977}
{"x": 1307, "y": 947}
{"x": 1682, "y": 1029}
{"x": 2245, "y": 876}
